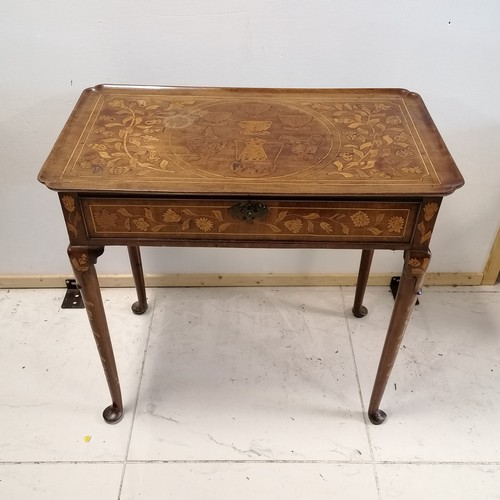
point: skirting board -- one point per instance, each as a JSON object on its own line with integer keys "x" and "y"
{"x": 185, "y": 280}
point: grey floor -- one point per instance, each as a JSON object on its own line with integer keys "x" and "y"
{"x": 250, "y": 393}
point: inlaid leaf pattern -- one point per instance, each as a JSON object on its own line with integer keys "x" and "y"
{"x": 376, "y": 142}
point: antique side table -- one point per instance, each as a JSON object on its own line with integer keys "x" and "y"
{"x": 351, "y": 168}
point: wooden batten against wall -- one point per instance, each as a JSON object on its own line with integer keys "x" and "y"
{"x": 243, "y": 280}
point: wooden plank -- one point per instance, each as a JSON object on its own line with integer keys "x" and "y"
{"x": 234, "y": 280}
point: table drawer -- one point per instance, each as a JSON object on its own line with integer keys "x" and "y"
{"x": 256, "y": 220}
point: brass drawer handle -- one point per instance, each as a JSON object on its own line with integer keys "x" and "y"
{"x": 248, "y": 211}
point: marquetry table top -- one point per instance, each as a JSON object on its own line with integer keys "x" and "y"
{"x": 167, "y": 140}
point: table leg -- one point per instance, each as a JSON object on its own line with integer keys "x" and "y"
{"x": 414, "y": 268}
{"x": 141, "y": 306}
{"x": 82, "y": 260}
{"x": 359, "y": 310}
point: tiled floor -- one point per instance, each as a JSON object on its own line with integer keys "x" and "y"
{"x": 250, "y": 393}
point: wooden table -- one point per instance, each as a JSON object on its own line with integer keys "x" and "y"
{"x": 359, "y": 168}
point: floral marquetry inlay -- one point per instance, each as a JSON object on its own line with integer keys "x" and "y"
{"x": 212, "y": 137}
{"x": 80, "y": 263}
{"x": 157, "y": 136}
{"x": 173, "y": 140}
{"x": 72, "y": 217}
{"x": 281, "y": 222}
{"x": 425, "y": 226}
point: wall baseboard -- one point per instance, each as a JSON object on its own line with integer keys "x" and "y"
{"x": 205, "y": 280}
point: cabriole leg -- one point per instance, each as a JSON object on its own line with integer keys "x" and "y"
{"x": 414, "y": 268}
{"x": 141, "y": 306}
{"x": 82, "y": 260}
{"x": 359, "y": 310}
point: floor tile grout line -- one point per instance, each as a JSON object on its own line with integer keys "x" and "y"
{"x": 437, "y": 462}
{"x": 319, "y": 462}
{"x": 60, "y": 462}
{"x": 357, "y": 376}
{"x": 363, "y": 409}
{"x": 139, "y": 386}
{"x": 263, "y": 462}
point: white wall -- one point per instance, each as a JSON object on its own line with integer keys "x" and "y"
{"x": 447, "y": 50}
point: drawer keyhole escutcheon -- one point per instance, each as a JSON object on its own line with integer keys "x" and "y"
{"x": 249, "y": 211}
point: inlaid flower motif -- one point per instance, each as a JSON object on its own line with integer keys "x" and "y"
{"x": 105, "y": 219}
{"x": 149, "y": 138}
{"x": 381, "y": 107}
{"x": 96, "y": 165}
{"x": 326, "y": 227}
{"x": 379, "y": 174}
{"x": 204, "y": 224}
{"x": 141, "y": 224}
{"x": 81, "y": 263}
{"x": 395, "y": 224}
{"x": 393, "y": 120}
{"x": 153, "y": 155}
{"x": 401, "y": 137}
{"x": 117, "y": 103}
{"x": 294, "y": 225}
{"x": 360, "y": 219}
{"x": 179, "y": 105}
{"x": 419, "y": 264}
{"x": 405, "y": 153}
{"x": 85, "y": 165}
{"x": 430, "y": 210}
{"x": 415, "y": 262}
{"x": 106, "y": 132}
{"x": 412, "y": 170}
{"x": 98, "y": 147}
{"x": 68, "y": 203}
{"x": 346, "y": 156}
{"x": 118, "y": 169}
{"x": 171, "y": 216}
{"x": 350, "y": 134}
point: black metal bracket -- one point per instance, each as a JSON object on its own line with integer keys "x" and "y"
{"x": 73, "y": 298}
{"x": 394, "y": 285}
